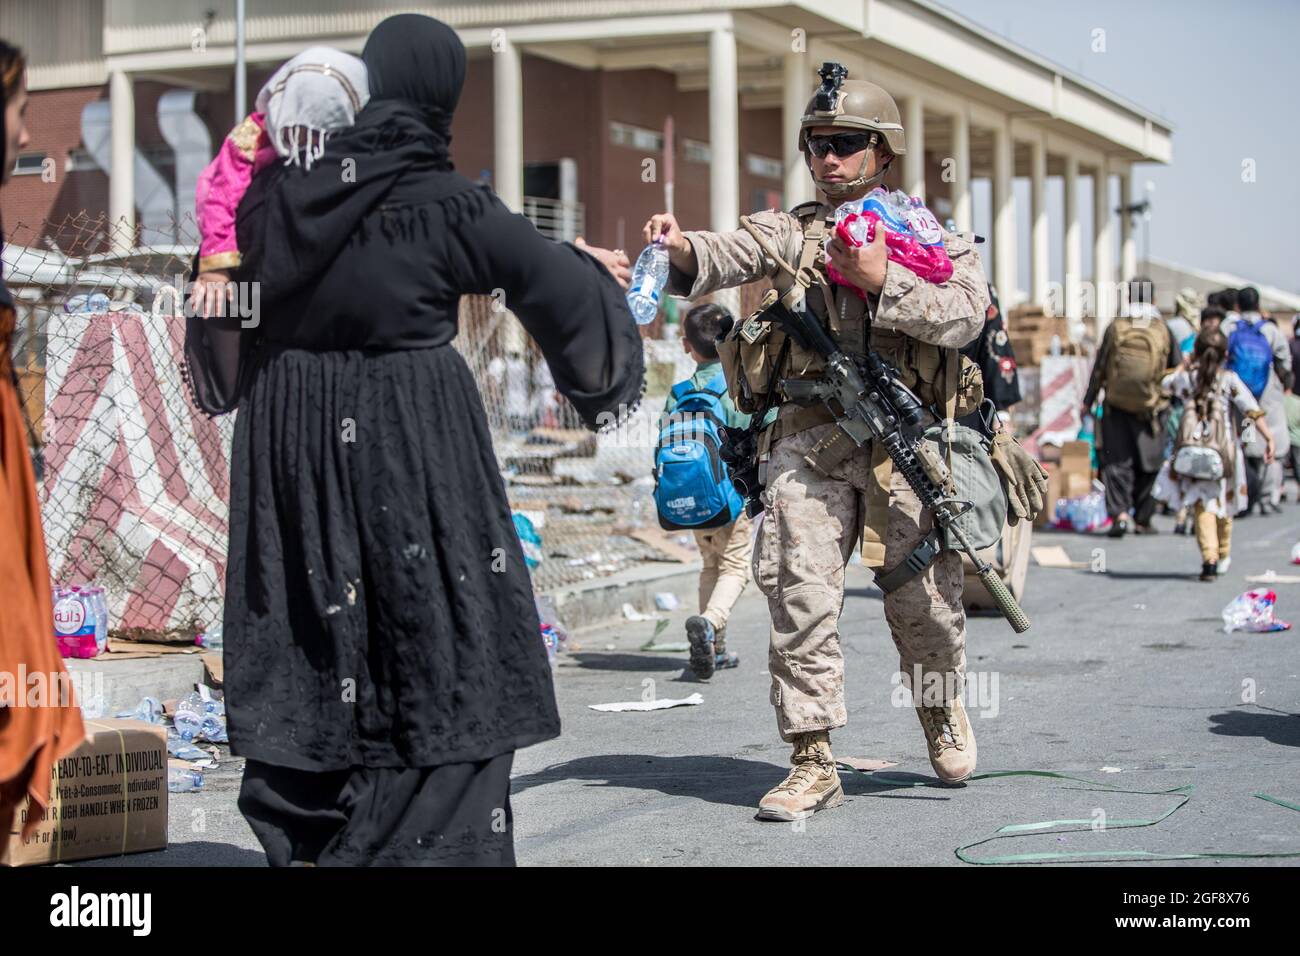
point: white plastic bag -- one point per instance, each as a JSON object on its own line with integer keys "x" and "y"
{"x": 1252, "y": 611}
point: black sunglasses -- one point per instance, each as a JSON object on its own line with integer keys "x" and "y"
{"x": 844, "y": 144}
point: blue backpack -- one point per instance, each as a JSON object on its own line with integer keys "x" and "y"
{"x": 1250, "y": 355}
{"x": 693, "y": 488}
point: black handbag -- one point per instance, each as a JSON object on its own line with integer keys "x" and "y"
{"x": 216, "y": 360}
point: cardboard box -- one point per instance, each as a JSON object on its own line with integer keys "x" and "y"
{"x": 1076, "y": 468}
{"x": 109, "y": 797}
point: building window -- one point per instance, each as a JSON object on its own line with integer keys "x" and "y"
{"x": 763, "y": 166}
{"x": 696, "y": 152}
{"x": 636, "y": 137}
{"x": 29, "y": 164}
{"x": 79, "y": 160}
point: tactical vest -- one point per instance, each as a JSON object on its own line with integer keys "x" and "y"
{"x": 941, "y": 378}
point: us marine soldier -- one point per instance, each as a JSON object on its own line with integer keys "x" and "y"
{"x": 821, "y": 497}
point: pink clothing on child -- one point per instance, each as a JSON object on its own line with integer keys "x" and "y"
{"x": 244, "y": 152}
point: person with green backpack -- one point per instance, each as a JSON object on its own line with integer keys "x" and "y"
{"x": 1136, "y": 353}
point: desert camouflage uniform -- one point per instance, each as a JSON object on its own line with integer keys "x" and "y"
{"x": 811, "y": 522}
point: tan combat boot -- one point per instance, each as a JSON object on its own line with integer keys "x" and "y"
{"x": 813, "y": 784}
{"x": 951, "y": 741}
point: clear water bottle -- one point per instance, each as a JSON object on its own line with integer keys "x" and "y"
{"x": 99, "y": 602}
{"x": 649, "y": 276}
{"x": 213, "y": 729}
{"x": 183, "y": 780}
{"x": 189, "y": 717}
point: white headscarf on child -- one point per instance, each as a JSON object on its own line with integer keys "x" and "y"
{"x": 320, "y": 90}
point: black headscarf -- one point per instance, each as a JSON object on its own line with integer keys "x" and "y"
{"x": 417, "y": 60}
{"x": 293, "y": 222}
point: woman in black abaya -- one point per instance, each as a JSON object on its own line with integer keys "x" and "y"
{"x": 384, "y": 660}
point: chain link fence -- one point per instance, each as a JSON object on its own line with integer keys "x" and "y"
{"x": 134, "y": 481}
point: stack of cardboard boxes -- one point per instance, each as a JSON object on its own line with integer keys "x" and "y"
{"x": 1031, "y": 329}
{"x": 1069, "y": 475}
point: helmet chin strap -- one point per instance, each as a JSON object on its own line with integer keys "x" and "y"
{"x": 842, "y": 190}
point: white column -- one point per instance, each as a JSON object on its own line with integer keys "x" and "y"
{"x": 796, "y": 92}
{"x": 1038, "y": 257}
{"x": 1004, "y": 217}
{"x": 1073, "y": 239}
{"x": 1127, "y": 241}
{"x": 724, "y": 144}
{"x": 121, "y": 177}
{"x": 724, "y": 132}
{"x": 914, "y": 158}
{"x": 961, "y": 199}
{"x": 1103, "y": 255}
{"x": 508, "y": 124}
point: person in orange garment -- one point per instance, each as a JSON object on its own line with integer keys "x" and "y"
{"x": 39, "y": 719}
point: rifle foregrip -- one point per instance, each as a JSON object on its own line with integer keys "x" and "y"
{"x": 1003, "y": 599}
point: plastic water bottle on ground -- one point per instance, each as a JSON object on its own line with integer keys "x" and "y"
{"x": 649, "y": 276}
{"x": 213, "y": 728}
{"x": 189, "y": 717}
{"x": 183, "y": 780}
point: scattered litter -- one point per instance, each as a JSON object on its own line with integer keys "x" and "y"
{"x": 183, "y": 779}
{"x": 1083, "y": 514}
{"x": 640, "y": 705}
{"x": 611, "y": 647}
{"x": 551, "y": 641}
{"x": 1139, "y": 607}
{"x": 1252, "y": 611}
{"x": 213, "y": 638}
{"x": 1112, "y": 770}
{"x": 632, "y": 614}
{"x": 1055, "y": 556}
{"x": 529, "y": 539}
{"x": 150, "y": 710}
{"x": 1272, "y": 577}
{"x": 1295, "y": 553}
{"x": 866, "y": 764}
{"x": 673, "y": 646}
{"x": 666, "y": 601}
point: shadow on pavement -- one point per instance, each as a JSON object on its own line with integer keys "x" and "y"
{"x": 197, "y": 853}
{"x": 1154, "y": 576}
{"x": 730, "y": 781}
{"x": 609, "y": 661}
{"x": 1277, "y": 727}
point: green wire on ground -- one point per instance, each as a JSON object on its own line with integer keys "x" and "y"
{"x": 1014, "y": 830}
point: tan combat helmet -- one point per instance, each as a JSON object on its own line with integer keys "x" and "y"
{"x": 854, "y": 104}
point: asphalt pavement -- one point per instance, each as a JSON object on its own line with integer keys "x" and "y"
{"x": 1125, "y": 679}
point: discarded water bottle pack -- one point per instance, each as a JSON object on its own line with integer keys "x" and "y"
{"x": 80, "y": 621}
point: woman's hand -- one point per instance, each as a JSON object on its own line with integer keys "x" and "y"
{"x": 862, "y": 266}
{"x": 210, "y": 293}
{"x": 615, "y": 261}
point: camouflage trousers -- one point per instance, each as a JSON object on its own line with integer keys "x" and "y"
{"x": 808, "y": 531}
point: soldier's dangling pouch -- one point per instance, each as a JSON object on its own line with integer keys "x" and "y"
{"x": 749, "y": 357}
{"x": 967, "y": 452}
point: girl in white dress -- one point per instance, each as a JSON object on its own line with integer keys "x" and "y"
{"x": 1210, "y": 390}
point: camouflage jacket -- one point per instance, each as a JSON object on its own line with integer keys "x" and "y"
{"x": 947, "y": 315}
